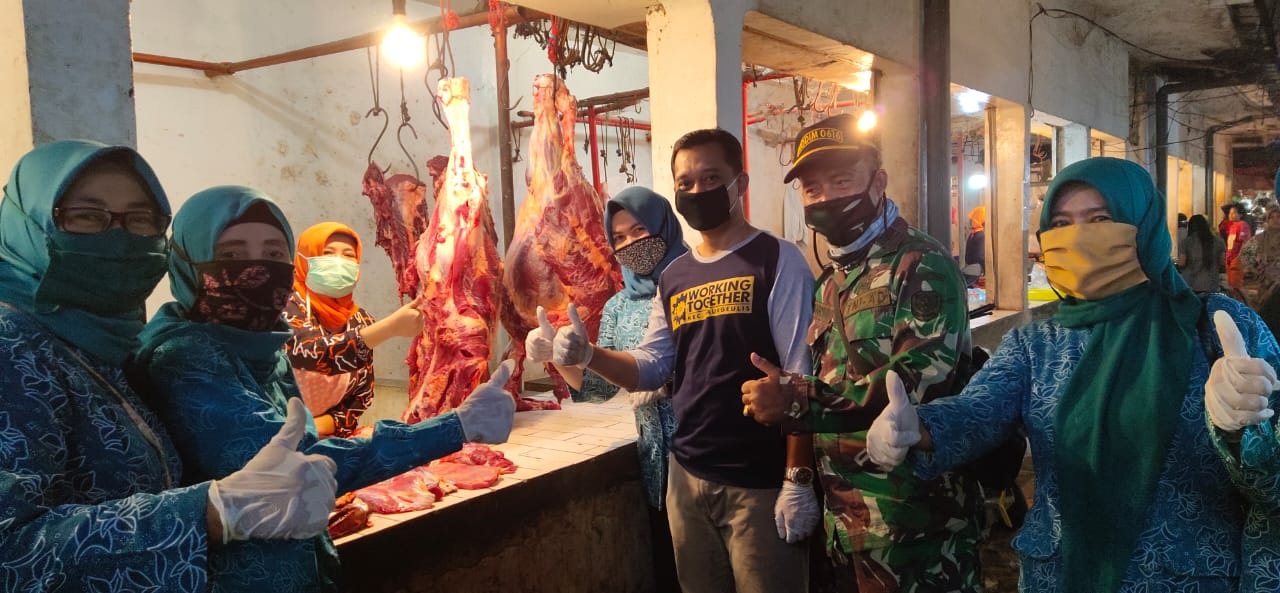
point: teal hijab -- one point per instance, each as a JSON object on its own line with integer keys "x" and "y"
{"x": 37, "y": 277}
{"x": 1117, "y": 412}
{"x": 655, "y": 213}
{"x": 196, "y": 228}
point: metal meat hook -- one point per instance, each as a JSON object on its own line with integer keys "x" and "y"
{"x": 386, "y": 121}
{"x": 400, "y": 141}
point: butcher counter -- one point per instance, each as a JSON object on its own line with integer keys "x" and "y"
{"x": 571, "y": 518}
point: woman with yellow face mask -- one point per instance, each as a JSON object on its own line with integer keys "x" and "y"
{"x": 1147, "y": 408}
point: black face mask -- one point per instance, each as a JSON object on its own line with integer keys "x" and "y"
{"x": 706, "y": 210}
{"x": 842, "y": 220}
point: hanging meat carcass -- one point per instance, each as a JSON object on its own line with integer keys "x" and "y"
{"x": 400, "y": 210}
{"x": 460, "y": 274}
{"x": 558, "y": 253}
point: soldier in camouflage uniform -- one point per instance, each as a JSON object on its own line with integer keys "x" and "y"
{"x": 892, "y": 298}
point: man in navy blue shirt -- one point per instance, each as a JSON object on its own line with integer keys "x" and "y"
{"x": 740, "y": 494}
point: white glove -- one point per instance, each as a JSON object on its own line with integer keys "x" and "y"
{"x": 281, "y": 493}
{"x": 537, "y": 345}
{"x": 572, "y": 346}
{"x": 487, "y": 413}
{"x": 795, "y": 512}
{"x": 896, "y": 429}
{"x": 1238, "y": 391}
{"x": 644, "y": 398}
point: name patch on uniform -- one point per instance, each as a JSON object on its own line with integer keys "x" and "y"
{"x": 823, "y": 312}
{"x": 730, "y": 296}
{"x": 868, "y": 300}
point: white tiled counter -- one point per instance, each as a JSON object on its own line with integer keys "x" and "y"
{"x": 571, "y": 517}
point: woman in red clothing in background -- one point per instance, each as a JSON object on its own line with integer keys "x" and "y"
{"x": 333, "y": 338}
{"x": 1235, "y": 232}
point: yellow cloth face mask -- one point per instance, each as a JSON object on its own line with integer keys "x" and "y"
{"x": 1092, "y": 261}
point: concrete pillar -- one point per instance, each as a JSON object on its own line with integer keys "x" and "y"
{"x": 897, "y": 97}
{"x": 1073, "y": 144}
{"x": 1198, "y": 196}
{"x": 695, "y": 73}
{"x": 70, "y": 74}
{"x": 1009, "y": 134}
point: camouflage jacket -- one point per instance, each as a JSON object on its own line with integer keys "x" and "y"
{"x": 902, "y": 306}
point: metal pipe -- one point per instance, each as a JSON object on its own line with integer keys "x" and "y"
{"x": 210, "y": 69}
{"x": 604, "y": 121}
{"x": 595, "y": 150}
{"x": 1208, "y": 172}
{"x": 763, "y": 115}
{"x": 935, "y": 78}
{"x": 505, "y": 167}
{"x": 425, "y": 26}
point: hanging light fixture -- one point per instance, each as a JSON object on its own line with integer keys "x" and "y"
{"x": 404, "y": 46}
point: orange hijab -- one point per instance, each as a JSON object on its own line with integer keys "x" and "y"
{"x": 333, "y": 313}
{"x": 977, "y": 219}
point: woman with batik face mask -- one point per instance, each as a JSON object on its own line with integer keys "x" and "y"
{"x": 216, "y": 360}
{"x": 645, "y": 236}
{"x": 1141, "y": 400}
{"x": 331, "y": 348}
{"x": 92, "y": 492}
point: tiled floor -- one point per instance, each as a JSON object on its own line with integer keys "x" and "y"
{"x": 540, "y": 442}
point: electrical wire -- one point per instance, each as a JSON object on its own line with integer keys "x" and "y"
{"x": 1064, "y": 13}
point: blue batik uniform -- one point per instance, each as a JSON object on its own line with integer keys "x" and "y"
{"x": 1212, "y": 525}
{"x": 223, "y": 391}
{"x": 88, "y": 476}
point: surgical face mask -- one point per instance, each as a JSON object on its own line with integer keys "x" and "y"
{"x": 642, "y": 256}
{"x": 332, "y": 275}
{"x": 246, "y": 294}
{"x": 709, "y": 209}
{"x": 127, "y": 268}
{"x": 843, "y": 220}
{"x": 1092, "y": 261}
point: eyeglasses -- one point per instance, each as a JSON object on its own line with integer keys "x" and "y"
{"x": 85, "y": 220}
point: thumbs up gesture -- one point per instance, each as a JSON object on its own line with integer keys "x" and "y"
{"x": 572, "y": 347}
{"x": 1239, "y": 388}
{"x": 537, "y": 345}
{"x": 896, "y": 429}
{"x": 280, "y": 493}
{"x": 768, "y": 399}
{"x": 487, "y": 413}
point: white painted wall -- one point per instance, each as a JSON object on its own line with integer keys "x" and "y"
{"x": 888, "y": 29}
{"x": 1080, "y": 75}
{"x": 298, "y": 132}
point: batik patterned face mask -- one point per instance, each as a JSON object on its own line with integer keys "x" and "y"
{"x": 245, "y": 294}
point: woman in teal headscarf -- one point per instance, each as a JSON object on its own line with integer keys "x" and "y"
{"x": 645, "y": 237}
{"x": 89, "y": 496}
{"x": 216, "y": 361}
{"x": 1155, "y": 455}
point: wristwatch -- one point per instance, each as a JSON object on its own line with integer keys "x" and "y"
{"x": 800, "y": 475}
{"x": 797, "y": 409}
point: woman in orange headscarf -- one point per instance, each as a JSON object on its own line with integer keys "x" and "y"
{"x": 975, "y": 248}
{"x": 333, "y": 338}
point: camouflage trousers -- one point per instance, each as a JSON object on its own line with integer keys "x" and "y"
{"x": 923, "y": 566}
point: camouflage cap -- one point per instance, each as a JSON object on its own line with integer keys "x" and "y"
{"x": 834, "y": 136}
